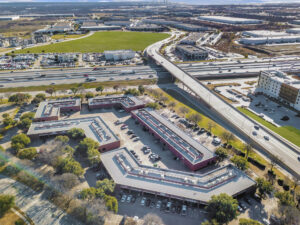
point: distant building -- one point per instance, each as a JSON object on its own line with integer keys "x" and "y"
{"x": 192, "y": 39}
{"x": 280, "y": 86}
{"x": 117, "y": 55}
{"x": 99, "y": 27}
{"x": 50, "y": 110}
{"x": 176, "y": 24}
{"x": 230, "y": 20}
{"x": 60, "y": 27}
{"x": 264, "y": 33}
{"x": 117, "y": 23}
{"x": 7, "y": 18}
{"x": 293, "y": 31}
{"x": 192, "y": 52}
{"x": 146, "y": 28}
{"x": 270, "y": 40}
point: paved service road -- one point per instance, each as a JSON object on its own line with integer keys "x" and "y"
{"x": 41, "y": 211}
{"x": 275, "y": 146}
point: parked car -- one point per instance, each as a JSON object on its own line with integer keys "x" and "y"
{"x": 184, "y": 210}
{"x": 123, "y": 199}
{"x": 168, "y": 207}
{"x": 158, "y": 204}
{"x": 129, "y": 198}
{"x": 143, "y": 201}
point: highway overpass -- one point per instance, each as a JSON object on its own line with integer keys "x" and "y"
{"x": 276, "y": 146}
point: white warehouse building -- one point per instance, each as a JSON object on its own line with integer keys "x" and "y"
{"x": 280, "y": 86}
{"x": 270, "y": 40}
{"x": 117, "y": 55}
{"x": 230, "y": 20}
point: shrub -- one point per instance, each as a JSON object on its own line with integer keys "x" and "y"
{"x": 20, "y": 141}
{"x": 221, "y": 153}
{"x": 27, "y": 153}
{"x": 24, "y": 124}
{"x": 69, "y": 165}
{"x": 62, "y": 138}
{"x": 20, "y": 222}
{"x": 111, "y": 203}
{"x": 89, "y": 95}
{"x": 280, "y": 182}
{"x": 153, "y": 105}
{"x": 76, "y": 133}
{"x": 240, "y": 162}
{"x": 85, "y": 145}
{"x": 6, "y": 203}
{"x": 286, "y": 187}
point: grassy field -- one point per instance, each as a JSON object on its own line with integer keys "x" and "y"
{"x": 62, "y": 36}
{"x": 288, "y": 132}
{"x": 9, "y": 218}
{"x": 101, "y": 41}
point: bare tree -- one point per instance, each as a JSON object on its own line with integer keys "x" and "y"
{"x": 289, "y": 215}
{"x": 151, "y": 219}
{"x": 248, "y": 149}
{"x": 172, "y": 104}
{"x": 227, "y": 136}
{"x": 163, "y": 98}
{"x": 195, "y": 118}
{"x": 210, "y": 126}
{"x": 184, "y": 110}
{"x": 66, "y": 181}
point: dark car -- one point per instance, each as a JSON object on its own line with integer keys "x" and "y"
{"x": 248, "y": 200}
{"x": 148, "y": 202}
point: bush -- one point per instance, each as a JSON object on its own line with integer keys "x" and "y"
{"x": 85, "y": 145}
{"x": 27, "y": 153}
{"x": 286, "y": 187}
{"x": 240, "y": 162}
{"x": 6, "y": 203}
{"x": 20, "y": 141}
{"x": 132, "y": 91}
{"x": 39, "y": 98}
{"x": 24, "y": 124}
{"x": 111, "y": 203}
{"x": 20, "y": 222}
{"x": 153, "y": 105}
{"x": 280, "y": 182}
{"x": 29, "y": 115}
{"x": 221, "y": 153}
{"x": 62, "y": 138}
{"x": 89, "y": 95}
{"x": 69, "y": 165}
{"x": 76, "y": 133}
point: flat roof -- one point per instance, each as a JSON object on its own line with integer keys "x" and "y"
{"x": 228, "y": 19}
{"x": 126, "y": 171}
{"x": 52, "y": 108}
{"x": 282, "y": 77}
{"x": 265, "y": 33}
{"x": 125, "y": 101}
{"x": 94, "y": 127}
{"x": 190, "y": 48}
{"x": 185, "y": 145}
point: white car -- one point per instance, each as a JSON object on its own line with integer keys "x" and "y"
{"x": 123, "y": 199}
{"x": 143, "y": 201}
{"x": 129, "y": 198}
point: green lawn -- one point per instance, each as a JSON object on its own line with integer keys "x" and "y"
{"x": 101, "y": 41}
{"x": 288, "y": 132}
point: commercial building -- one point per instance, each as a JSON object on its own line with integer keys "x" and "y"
{"x": 293, "y": 31}
{"x": 270, "y": 40}
{"x": 280, "y": 86}
{"x": 99, "y": 27}
{"x": 117, "y": 23}
{"x": 193, "y": 154}
{"x": 264, "y": 33}
{"x": 127, "y": 173}
{"x": 50, "y": 110}
{"x": 8, "y": 18}
{"x": 192, "y": 39}
{"x": 192, "y": 52}
{"x": 60, "y": 27}
{"x": 146, "y": 28}
{"x": 117, "y": 55}
{"x": 94, "y": 127}
{"x": 128, "y": 103}
{"x": 176, "y": 24}
{"x": 230, "y": 20}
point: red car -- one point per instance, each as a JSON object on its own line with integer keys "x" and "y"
{"x": 86, "y": 75}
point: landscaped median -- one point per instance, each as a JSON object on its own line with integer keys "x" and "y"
{"x": 290, "y": 133}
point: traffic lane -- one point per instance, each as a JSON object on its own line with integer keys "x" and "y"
{"x": 225, "y": 110}
{"x": 70, "y": 81}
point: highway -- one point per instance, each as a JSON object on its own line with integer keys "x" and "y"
{"x": 207, "y": 70}
{"x": 57, "y": 76}
{"x": 286, "y": 152}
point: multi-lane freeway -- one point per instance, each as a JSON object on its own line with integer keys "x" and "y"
{"x": 78, "y": 75}
{"x": 274, "y": 146}
{"x": 223, "y": 69}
